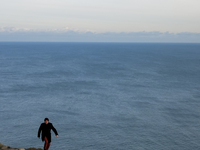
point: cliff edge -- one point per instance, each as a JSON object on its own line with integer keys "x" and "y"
{"x": 4, "y": 147}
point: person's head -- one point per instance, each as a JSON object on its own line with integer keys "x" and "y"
{"x": 46, "y": 120}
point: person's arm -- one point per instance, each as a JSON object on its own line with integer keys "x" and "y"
{"x": 39, "y": 131}
{"x": 54, "y": 130}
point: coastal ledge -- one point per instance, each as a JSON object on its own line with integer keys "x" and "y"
{"x": 4, "y": 147}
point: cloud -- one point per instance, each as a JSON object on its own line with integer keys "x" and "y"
{"x": 10, "y": 34}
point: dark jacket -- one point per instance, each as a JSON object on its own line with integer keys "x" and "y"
{"x": 46, "y": 131}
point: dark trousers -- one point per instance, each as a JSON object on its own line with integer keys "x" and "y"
{"x": 46, "y": 143}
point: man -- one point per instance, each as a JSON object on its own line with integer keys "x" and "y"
{"x": 46, "y": 132}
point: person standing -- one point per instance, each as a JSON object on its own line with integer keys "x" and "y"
{"x": 46, "y": 128}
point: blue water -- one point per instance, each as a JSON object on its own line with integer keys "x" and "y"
{"x": 101, "y": 96}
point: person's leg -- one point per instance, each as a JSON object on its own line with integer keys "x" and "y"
{"x": 46, "y": 144}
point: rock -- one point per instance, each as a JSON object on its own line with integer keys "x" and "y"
{"x": 4, "y": 147}
{"x": 32, "y": 148}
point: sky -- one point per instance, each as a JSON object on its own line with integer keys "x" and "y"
{"x": 100, "y": 20}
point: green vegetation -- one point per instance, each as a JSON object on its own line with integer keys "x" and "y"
{"x": 1, "y": 145}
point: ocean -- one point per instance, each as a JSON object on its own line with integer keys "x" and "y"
{"x": 101, "y": 96}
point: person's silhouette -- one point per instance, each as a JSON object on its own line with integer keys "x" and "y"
{"x": 46, "y": 128}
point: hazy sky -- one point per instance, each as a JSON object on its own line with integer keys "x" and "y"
{"x": 100, "y": 16}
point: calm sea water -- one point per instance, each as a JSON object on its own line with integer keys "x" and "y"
{"x": 101, "y": 96}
